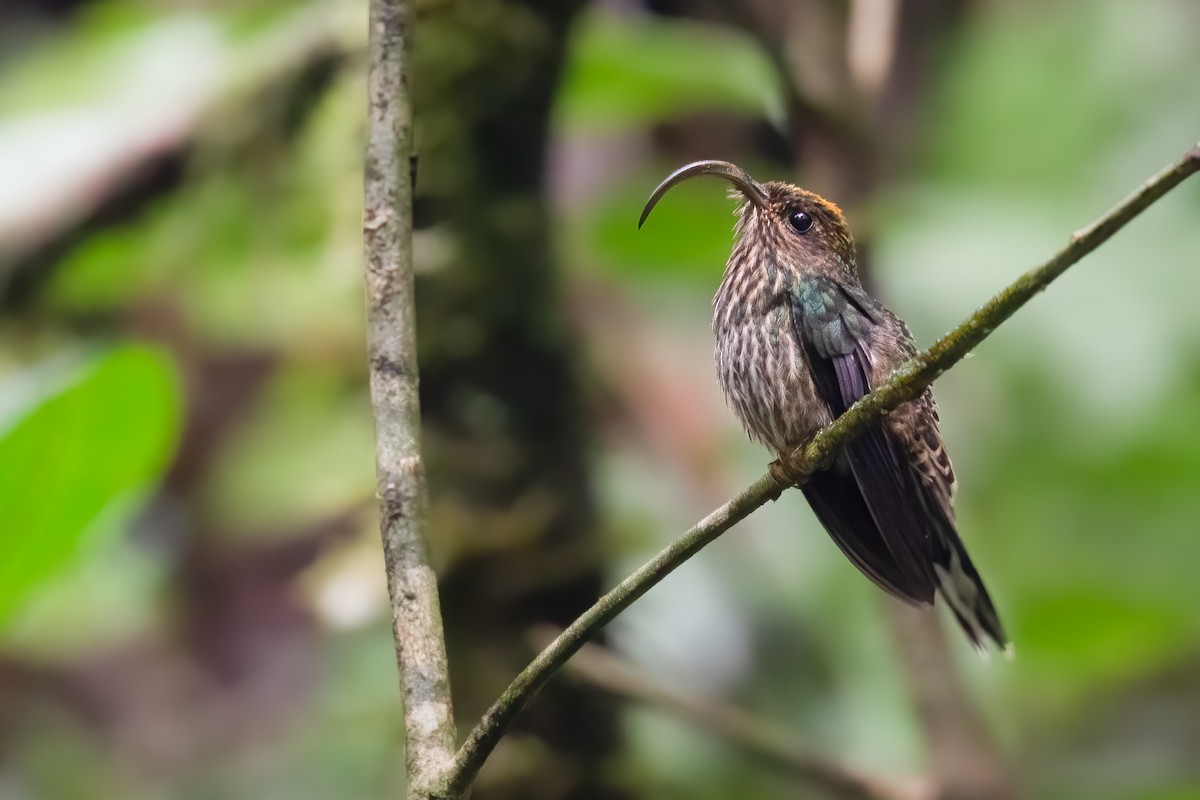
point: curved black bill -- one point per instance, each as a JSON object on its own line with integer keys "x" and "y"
{"x": 722, "y": 169}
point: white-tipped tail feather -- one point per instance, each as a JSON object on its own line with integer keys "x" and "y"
{"x": 959, "y": 584}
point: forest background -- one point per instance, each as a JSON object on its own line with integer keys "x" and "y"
{"x": 191, "y": 592}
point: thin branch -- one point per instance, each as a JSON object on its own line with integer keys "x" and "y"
{"x": 909, "y": 380}
{"x": 392, "y": 354}
{"x": 872, "y": 35}
{"x": 759, "y": 737}
{"x": 483, "y": 738}
{"x": 964, "y": 759}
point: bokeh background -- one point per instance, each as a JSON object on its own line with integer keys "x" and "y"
{"x": 191, "y": 593}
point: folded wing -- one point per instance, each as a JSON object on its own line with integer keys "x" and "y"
{"x": 886, "y": 501}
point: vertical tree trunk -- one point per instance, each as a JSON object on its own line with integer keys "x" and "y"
{"x": 513, "y": 518}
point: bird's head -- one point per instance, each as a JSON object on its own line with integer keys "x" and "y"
{"x": 777, "y": 222}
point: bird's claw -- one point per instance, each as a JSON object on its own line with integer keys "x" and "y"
{"x": 786, "y": 473}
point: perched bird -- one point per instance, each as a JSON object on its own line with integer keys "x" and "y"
{"x": 798, "y": 340}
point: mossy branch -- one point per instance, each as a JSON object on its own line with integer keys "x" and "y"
{"x": 906, "y": 382}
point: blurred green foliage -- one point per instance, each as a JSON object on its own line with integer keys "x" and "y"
{"x": 660, "y": 250}
{"x": 629, "y": 69}
{"x": 86, "y": 437}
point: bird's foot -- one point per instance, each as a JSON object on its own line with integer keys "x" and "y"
{"x": 787, "y": 472}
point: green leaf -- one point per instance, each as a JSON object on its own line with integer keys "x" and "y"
{"x": 94, "y": 436}
{"x": 629, "y": 69}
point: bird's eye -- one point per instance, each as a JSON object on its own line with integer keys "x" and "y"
{"x": 799, "y": 220}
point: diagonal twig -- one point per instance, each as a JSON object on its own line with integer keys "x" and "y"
{"x": 761, "y": 738}
{"x": 964, "y": 760}
{"x": 908, "y": 381}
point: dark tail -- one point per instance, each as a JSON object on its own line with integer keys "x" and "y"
{"x": 961, "y": 587}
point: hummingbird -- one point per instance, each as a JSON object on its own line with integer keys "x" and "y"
{"x": 798, "y": 341}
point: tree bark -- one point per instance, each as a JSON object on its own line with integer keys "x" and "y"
{"x": 512, "y": 500}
